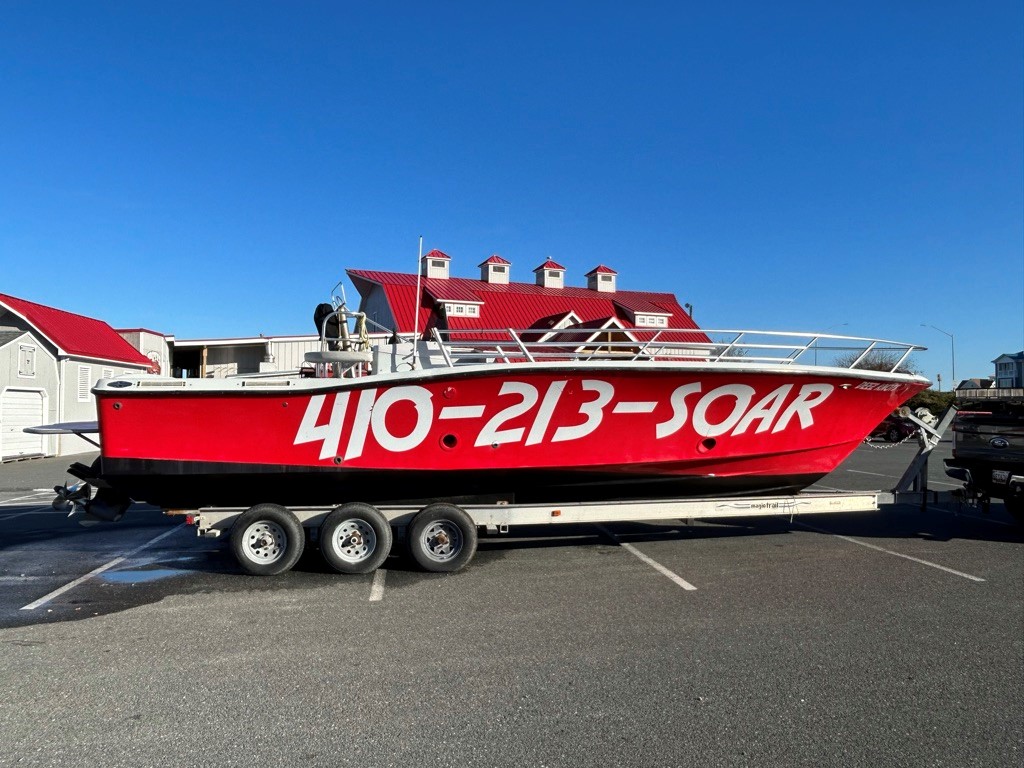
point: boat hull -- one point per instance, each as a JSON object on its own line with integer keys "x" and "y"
{"x": 531, "y": 432}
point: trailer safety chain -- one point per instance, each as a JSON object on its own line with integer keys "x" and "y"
{"x": 888, "y": 445}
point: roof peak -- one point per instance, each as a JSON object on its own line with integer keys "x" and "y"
{"x": 549, "y": 264}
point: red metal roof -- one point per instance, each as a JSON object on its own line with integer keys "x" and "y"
{"x": 436, "y": 254}
{"x": 549, "y": 264}
{"x": 76, "y": 334}
{"x": 517, "y": 305}
{"x": 494, "y": 259}
{"x": 602, "y": 270}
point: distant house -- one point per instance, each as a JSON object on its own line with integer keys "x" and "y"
{"x": 218, "y": 358}
{"x": 494, "y": 301}
{"x": 1009, "y": 370}
{"x": 976, "y": 383}
{"x": 49, "y": 361}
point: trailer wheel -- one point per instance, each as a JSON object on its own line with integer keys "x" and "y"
{"x": 355, "y": 538}
{"x": 442, "y": 538}
{"x": 267, "y": 540}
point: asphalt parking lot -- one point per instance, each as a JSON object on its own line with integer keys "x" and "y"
{"x": 889, "y": 638}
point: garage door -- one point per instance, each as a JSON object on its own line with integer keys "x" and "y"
{"x": 20, "y": 408}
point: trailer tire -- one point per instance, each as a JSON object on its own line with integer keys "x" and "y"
{"x": 355, "y": 538}
{"x": 267, "y": 540}
{"x": 442, "y": 538}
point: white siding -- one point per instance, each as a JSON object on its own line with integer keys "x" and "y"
{"x": 289, "y": 355}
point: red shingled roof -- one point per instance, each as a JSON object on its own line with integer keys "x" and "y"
{"x": 76, "y": 334}
{"x": 517, "y": 305}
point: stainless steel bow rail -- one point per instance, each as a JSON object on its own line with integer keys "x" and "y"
{"x": 353, "y": 349}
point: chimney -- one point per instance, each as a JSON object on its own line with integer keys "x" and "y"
{"x": 602, "y": 279}
{"x": 435, "y": 264}
{"x": 495, "y": 270}
{"x": 550, "y": 274}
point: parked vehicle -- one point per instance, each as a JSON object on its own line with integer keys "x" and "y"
{"x": 893, "y": 428}
{"x": 988, "y": 449}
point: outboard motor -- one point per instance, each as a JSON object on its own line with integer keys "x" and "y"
{"x": 107, "y": 505}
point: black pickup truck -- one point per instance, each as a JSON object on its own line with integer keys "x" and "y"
{"x": 988, "y": 447}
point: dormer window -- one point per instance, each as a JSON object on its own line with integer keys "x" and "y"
{"x": 463, "y": 308}
{"x": 652, "y": 321}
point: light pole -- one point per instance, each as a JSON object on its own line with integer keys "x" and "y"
{"x": 837, "y": 325}
{"x": 952, "y": 355}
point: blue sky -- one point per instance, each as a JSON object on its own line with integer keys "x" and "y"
{"x": 210, "y": 169}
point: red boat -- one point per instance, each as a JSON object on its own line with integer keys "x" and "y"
{"x": 575, "y": 414}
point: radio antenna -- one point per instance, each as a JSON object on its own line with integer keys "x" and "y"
{"x": 416, "y": 309}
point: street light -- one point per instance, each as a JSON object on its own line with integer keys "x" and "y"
{"x": 952, "y": 355}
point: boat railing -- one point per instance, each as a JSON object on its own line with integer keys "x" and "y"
{"x": 508, "y": 345}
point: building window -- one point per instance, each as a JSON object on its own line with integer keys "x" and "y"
{"x": 605, "y": 278}
{"x": 473, "y": 310}
{"x": 498, "y": 269}
{"x": 84, "y": 383}
{"x": 662, "y": 321}
{"x": 460, "y": 309}
{"x": 437, "y": 263}
{"x": 26, "y": 361}
{"x": 556, "y": 275}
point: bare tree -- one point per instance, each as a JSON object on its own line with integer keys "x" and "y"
{"x": 876, "y": 360}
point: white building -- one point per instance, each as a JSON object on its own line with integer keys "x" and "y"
{"x": 49, "y": 361}
{"x": 217, "y": 358}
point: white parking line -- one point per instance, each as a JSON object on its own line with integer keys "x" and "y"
{"x": 5, "y": 518}
{"x": 8, "y": 502}
{"x": 890, "y": 552}
{"x": 377, "y": 588}
{"x": 105, "y": 567}
{"x": 651, "y": 562}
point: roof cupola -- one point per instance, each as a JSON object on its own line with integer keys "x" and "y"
{"x": 495, "y": 270}
{"x": 550, "y": 274}
{"x": 602, "y": 279}
{"x": 435, "y": 264}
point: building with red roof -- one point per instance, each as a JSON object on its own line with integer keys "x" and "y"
{"x": 495, "y": 301}
{"x": 49, "y": 361}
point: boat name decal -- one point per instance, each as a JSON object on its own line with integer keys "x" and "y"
{"x": 773, "y": 412}
{"x": 878, "y": 386}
